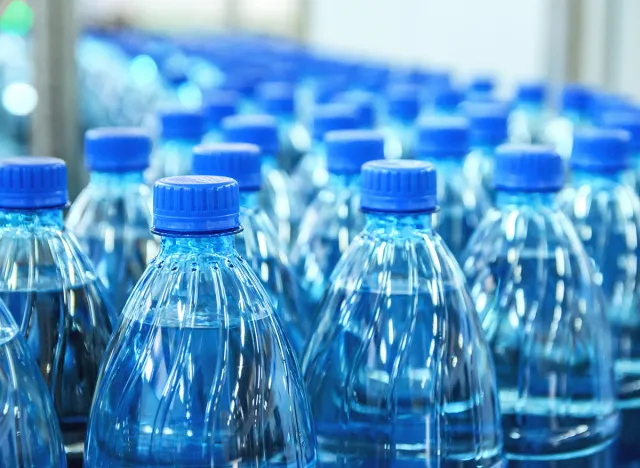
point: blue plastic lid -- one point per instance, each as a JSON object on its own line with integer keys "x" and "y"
{"x": 32, "y": 182}
{"x": 365, "y": 108}
{"x": 240, "y": 161}
{"x": 443, "y": 137}
{"x": 331, "y": 117}
{"x": 531, "y": 92}
{"x": 181, "y": 124}
{"x": 348, "y": 150}
{"x": 117, "y": 149}
{"x": 575, "y": 97}
{"x": 258, "y": 129}
{"x": 195, "y": 205}
{"x": 448, "y": 99}
{"x": 219, "y": 104}
{"x": 399, "y": 186}
{"x": 488, "y": 123}
{"x": 600, "y": 150}
{"x": 528, "y": 168}
{"x": 403, "y": 102}
{"x": 628, "y": 121}
{"x": 277, "y": 98}
{"x": 482, "y": 84}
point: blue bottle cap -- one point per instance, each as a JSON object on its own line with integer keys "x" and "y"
{"x": 443, "y": 137}
{"x": 364, "y": 107}
{"x": 195, "y": 205}
{"x": 531, "y": 93}
{"x": 117, "y": 149}
{"x": 448, "y": 99}
{"x": 575, "y": 98}
{"x": 482, "y": 84}
{"x": 528, "y": 168}
{"x": 219, "y": 104}
{"x": 488, "y": 123}
{"x": 348, "y": 150}
{"x": 600, "y": 150}
{"x": 628, "y": 121}
{"x": 32, "y": 182}
{"x": 181, "y": 124}
{"x": 331, "y": 117}
{"x": 277, "y": 98}
{"x": 399, "y": 186}
{"x": 403, "y": 102}
{"x": 240, "y": 161}
{"x": 258, "y": 129}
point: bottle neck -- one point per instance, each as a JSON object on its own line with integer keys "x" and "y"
{"x": 268, "y": 162}
{"x": 504, "y": 199}
{"x": 345, "y": 180}
{"x": 579, "y": 177}
{"x": 377, "y": 221}
{"x": 116, "y": 178}
{"x": 221, "y": 244}
{"x": 249, "y": 199}
{"x": 36, "y": 218}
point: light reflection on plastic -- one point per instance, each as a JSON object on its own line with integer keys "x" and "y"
{"x": 144, "y": 70}
{"x": 20, "y": 99}
{"x": 189, "y": 95}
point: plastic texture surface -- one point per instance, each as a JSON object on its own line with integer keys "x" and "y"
{"x": 397, "y": 369}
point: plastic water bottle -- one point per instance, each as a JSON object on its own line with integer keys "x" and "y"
{"x": 278, "y": 99}
{"x": 334, "y": 218}
{"x": 30, "y": 433}
{"x": 277, "y": 195}
{"x": 218, "y": 105}
{"x": 488, "y": 129}
{"x": 531, "y": 281}
{"x": 529, "y": 116}
{"x": 575, "y": 103}
{"x": 51, "y": 289}
{"x": 398, "y": 371}
{"x": 258, "y": 242}
{"x": 199, "y": 372}
{"x": 630, "y": 122}
{"x": 606, "y": 213}
{"x": 311, "y": 175}
{"x": 444, "y": 141}
{"x": 402, "y": 111}
{"x": 111, "y": 217}
{"x": 180, "y": 131}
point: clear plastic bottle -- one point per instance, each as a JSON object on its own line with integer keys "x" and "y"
{"x": 334, "y": 218}
{"x": 278, "y": 99}
{"x": 398, "y": 371}
{"x": 52, "y": 290}
{"x": 30, "y": 434}
{"x": 629, "y": 121}
{"x": 365, "y": 106}
{"x": 488, "y": 129}
{"x": 258, "y": 242}
{"x": 529, "y": 117}
{"x": 606, "y": 213}
{"x": 481, "y": 88}
{"x": 180, "y": 131}
{"x": 575, "y": 102}
{"x": 111, "y": 217}
{"x": 199, "y": 373}
{"x": 444, "y": 141}
{"x": 311, "y": 175}
{"x": 543, "y": 316}
{"x": 277, "y": 195}
{"x": 447, "y": 102}
{"x": 402, "y": 111}
{"x": 218, "y": 105}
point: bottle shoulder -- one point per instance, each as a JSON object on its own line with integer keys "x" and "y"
{"x": 99, "y": 209}
{"x": 42, "y": 259}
